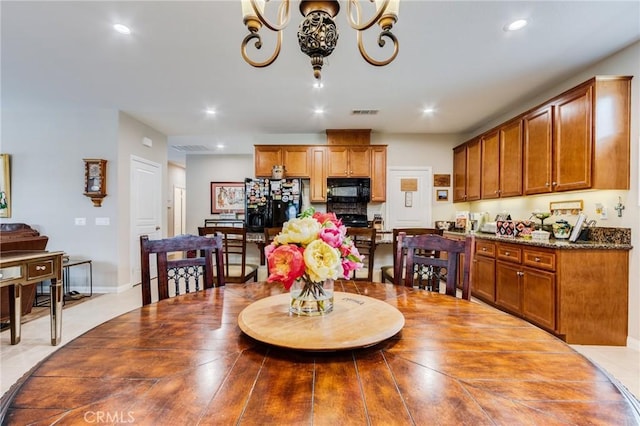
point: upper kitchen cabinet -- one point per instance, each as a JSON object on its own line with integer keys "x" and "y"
{"x": 580, "y": 139}
{"x": 502, "y": 161}
{"x": 295, "y": 159}
{"x": 467, "y": 166}
{"x": 349, "y": 161}
{"x": 538, "y": 128}
{"x": 318, "y": 181}
{"x": 510, "y": 136}
{"x": 378, "y": 173}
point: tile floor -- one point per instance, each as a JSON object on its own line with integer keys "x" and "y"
{"x": 620, "y": 362}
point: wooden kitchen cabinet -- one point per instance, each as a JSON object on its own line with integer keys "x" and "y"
{"x": 572, "y": 142}
{"x": 490, "y": 166}
{"x": 580, "y": 295}
{"x": 265, "y": 157}
{"x": 349, "y": 161}
{"x": 527, "y": 291}
{"x": 295, "y": 158}
{"x": 501, "y": 174}
{"x": 511, "y": 139}
{"x": 467, "y": 167}
{"x": 484, "y": 273}
{"x": 537, "y": 129}
{"x": 318, "y": 181}
{"x": 378, "y": 173}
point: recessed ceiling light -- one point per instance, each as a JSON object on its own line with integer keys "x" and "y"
{"x": 428, "y": 110}
{"x": 220, "y": 146}
{"x": 122, "y": 29}
{"x": 318, "y": 85}
{"x": 318, "y": 111}
{"x": 516, "y": 25}
{"x": 210, "y": 111}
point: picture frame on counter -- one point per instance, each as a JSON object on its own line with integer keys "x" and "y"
{"x": 227, "y": 197}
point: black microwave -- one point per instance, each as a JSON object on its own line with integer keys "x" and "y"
{"x": 348, "y": 190}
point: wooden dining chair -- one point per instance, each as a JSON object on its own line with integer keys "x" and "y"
{"x": 365, "y": 241}
{"x": 234, "y": 251}
{"x": 269, "y": 235}
{"x": 425, "y": 257}
{"x": 390, "y": 272}
{"x": 182, "y": 260}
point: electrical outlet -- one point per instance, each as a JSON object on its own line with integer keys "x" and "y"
{"x": 102, "y": 221}
{"x": 604, "y": 214}
{"x": 81, "y": 221}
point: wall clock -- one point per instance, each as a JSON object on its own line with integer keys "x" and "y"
{"x": 95, "y": 180}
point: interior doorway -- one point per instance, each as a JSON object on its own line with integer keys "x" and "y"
{"x": 409, "y": 192}
{"x": 146, "y": 208}
{"x": 179, "y": 210}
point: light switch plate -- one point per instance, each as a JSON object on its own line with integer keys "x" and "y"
{"x": 81, "y": 221}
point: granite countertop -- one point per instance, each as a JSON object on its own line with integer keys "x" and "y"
{"x": 618, "y": 241}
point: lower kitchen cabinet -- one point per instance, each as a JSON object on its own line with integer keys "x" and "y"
{"x": 579, "y": 294}
{"x": 484, "y": 271}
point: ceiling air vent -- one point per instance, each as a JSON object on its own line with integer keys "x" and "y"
{"x": 364, "y": 112}
{"x": 191, "y": 148}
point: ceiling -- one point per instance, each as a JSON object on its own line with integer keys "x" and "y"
{"x": 183, "y": 57}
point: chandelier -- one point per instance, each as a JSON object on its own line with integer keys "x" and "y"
{"x": 317, "y": 33}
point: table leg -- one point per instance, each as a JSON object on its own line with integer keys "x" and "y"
{"x": 15, "y": 312}
{"x": 57, "y": 296}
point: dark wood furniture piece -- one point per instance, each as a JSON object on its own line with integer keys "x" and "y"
{"x": 426, "y": 255}
{"x": 269, "y": 235}
{"x": 21, "y": 268}
{"x": 183, "y": 271}
{"x": 389, "y": 271}
{"x": 454, "y": 362}
{"x": 365, "y": 241}
{"x": 16, "y": 237}
{"x": 234, "y": 249}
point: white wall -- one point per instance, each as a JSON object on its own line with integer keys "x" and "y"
{"x": 47, "y": 179}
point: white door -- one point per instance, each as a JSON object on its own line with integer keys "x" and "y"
{"x": 409, "y": 192}
{"x": 146, "y": 208}
{"x": 179, "y": 210}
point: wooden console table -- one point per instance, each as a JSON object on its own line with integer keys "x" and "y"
{"x": 18, "y": 268}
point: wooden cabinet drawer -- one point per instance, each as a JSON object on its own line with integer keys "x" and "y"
{"x": 39, "y": 269}
{"x": 509, "y": 253}
{"x": 540, "y": 259}
{"x": 485, "y": 248}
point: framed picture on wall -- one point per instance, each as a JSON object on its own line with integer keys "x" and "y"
{"x": 227, "y": 197}
{"x": 442, "y": 195}
{"x": 5, "y": 186}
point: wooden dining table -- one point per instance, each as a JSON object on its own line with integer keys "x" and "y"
{"x": 185, "y": 361}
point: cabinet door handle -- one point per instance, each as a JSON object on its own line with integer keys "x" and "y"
{"x": 507, "y": 253}
{"x": 520, "y": 273}
{"x": 554, "y": 183}
{"x": 537, "y": 259}
{"x": 546, "y": 184}
{"x": 40, "y": 267}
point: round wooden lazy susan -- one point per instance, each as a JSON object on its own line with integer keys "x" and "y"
{"x": 356, "y": 322}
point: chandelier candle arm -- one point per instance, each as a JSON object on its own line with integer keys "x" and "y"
{"x": 386, "y": 14}
{"x": 317, "y": 33}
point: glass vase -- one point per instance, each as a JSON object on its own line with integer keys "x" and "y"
{"x": 311, "y": 298}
